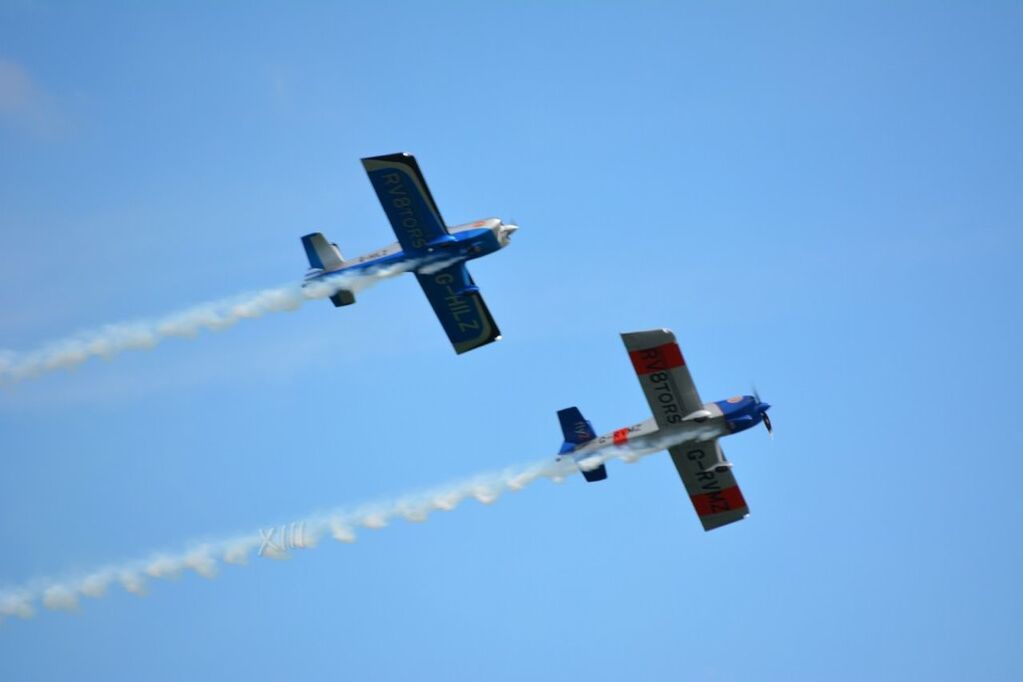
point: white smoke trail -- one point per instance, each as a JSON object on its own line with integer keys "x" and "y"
{"x": 112, "y": 339}
{"x": 278, "y": 541}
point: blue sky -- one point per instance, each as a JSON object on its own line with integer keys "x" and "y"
{"x": 821, "y": 198}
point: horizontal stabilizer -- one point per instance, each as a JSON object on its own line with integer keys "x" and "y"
{"x": 342, "y": 297}
{"x": 594, "y": 475}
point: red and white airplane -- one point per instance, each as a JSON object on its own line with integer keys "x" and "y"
{"x": 682, "y": 424}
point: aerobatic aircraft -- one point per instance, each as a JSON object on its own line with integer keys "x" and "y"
{"x": 682, "y": 424}
{"x": 434, "y": 252}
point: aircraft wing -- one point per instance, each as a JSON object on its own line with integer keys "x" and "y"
{"x": 407, "y": 201}
{"x": 663, "y": 374}
{"x": 714, "y": 493}
{"x": 457, "y": 302}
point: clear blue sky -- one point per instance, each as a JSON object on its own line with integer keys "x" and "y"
{"x": 821, "y": 198}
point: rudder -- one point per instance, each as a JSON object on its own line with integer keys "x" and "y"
{"x": 576, "y": 428}
{"x": 325, "y": 256}
{"x": 322, "y": 254}
{"x": 577, "y": 431}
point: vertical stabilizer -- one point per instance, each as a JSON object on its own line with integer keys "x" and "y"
{"x": 325, "y": 257}
{"x": 577, "y": 431}
{"x": 322, "y": 254}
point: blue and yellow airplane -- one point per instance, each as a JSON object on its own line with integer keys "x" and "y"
{"x": 435, "y": 253}
{"x": 682, "y": 424}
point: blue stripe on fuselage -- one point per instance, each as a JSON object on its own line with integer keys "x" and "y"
{"x": 467, "y": 245}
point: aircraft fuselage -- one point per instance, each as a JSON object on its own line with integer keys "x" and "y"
{"x": 720, "y": 418}
{"x": 465, "y": 242}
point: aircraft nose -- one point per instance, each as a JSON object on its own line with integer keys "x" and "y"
{"x": 764, "y": 407}
{"x": 504, "y": 232}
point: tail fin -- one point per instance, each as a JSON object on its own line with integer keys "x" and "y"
{"x": 322, "y": 254}
{"x": 325, "y": 256}
{"x": 577, "y": 431}
{"x": 576, "y": 428}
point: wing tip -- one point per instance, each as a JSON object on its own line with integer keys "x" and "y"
{"x": 647, "y": 338}
{"x": 724, "y": 519}
{"x": 466, "y": 347}
{"x": 394, "y": 156}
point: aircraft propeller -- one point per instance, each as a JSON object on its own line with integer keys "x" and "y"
{"x": 764, "y": 415}
{"x": 507, "y": 229}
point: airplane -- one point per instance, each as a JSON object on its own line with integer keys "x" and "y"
{"x": 434, "y": 252}
{"x": 682, "y": 423}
